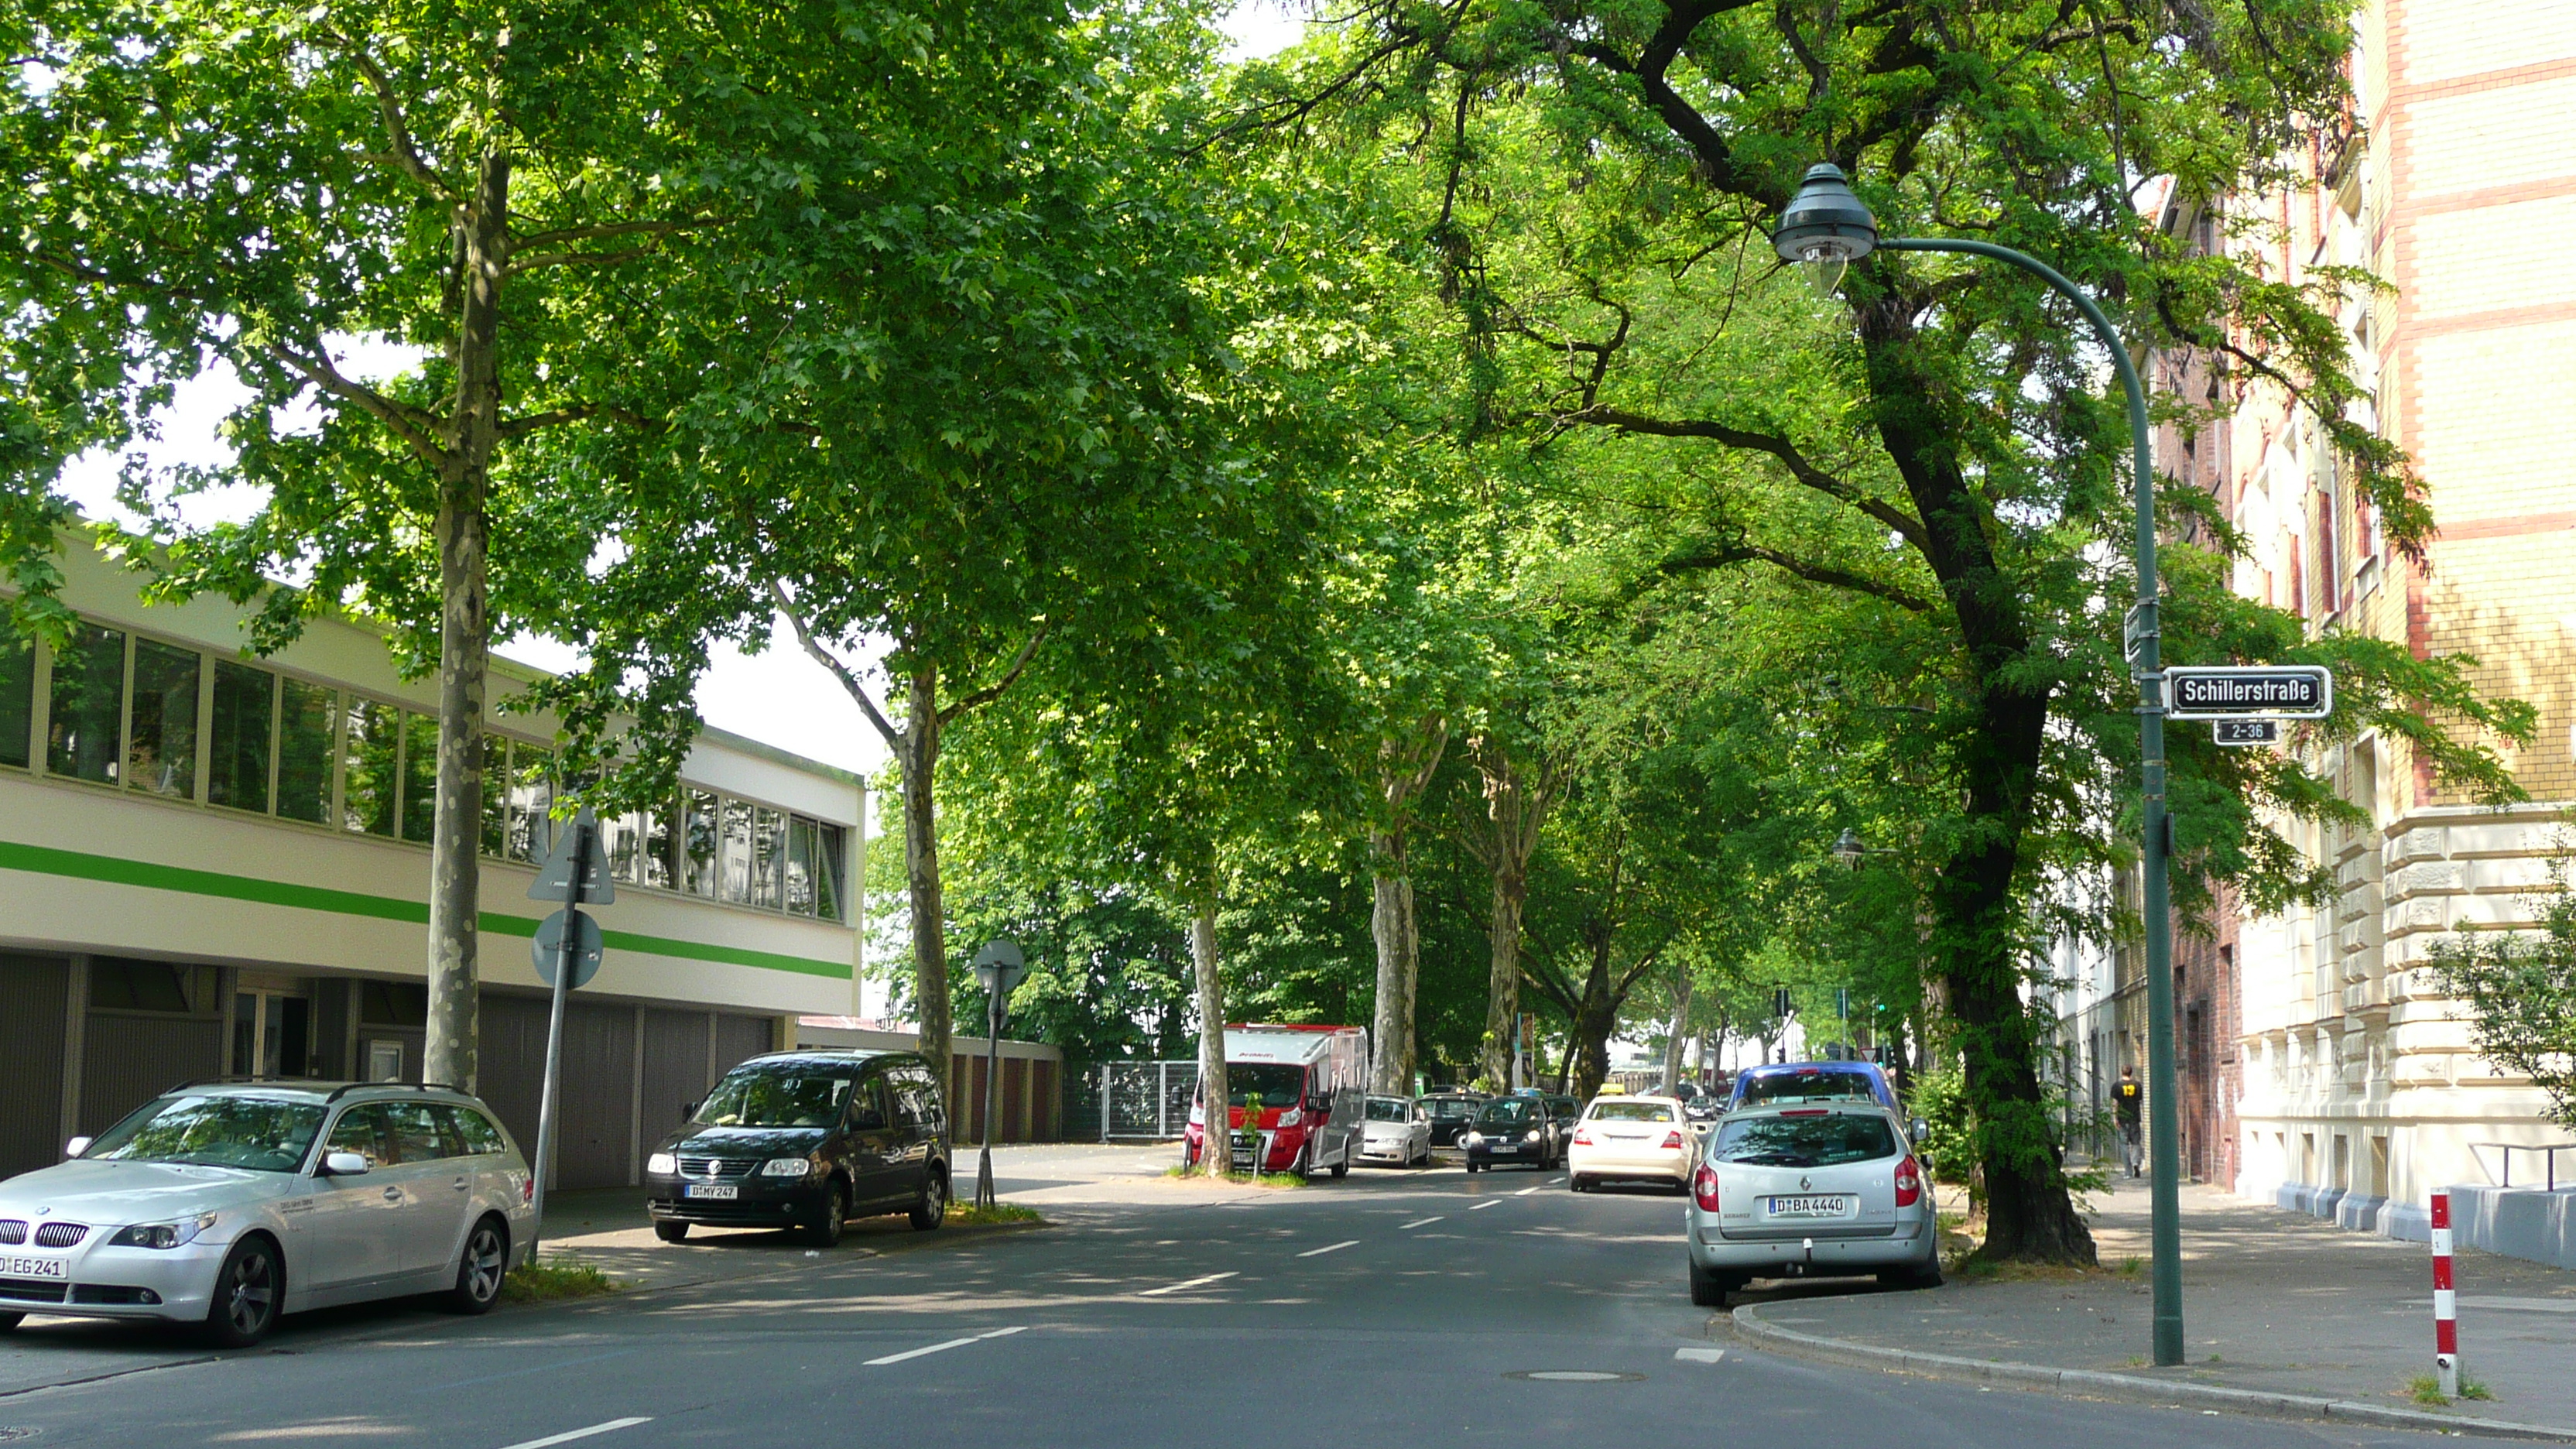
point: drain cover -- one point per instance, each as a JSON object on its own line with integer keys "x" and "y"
{"x": 1575, "y": 1376}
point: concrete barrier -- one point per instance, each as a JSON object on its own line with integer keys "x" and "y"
{"x": 2522, "y": 1222}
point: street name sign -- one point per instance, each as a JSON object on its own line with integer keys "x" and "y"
{"x": 547, "y": 949}
{"x": 2246, "y": 731}
{"x": 2249, "y": 691}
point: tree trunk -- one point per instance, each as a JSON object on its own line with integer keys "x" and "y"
{"x": 1391, "y": 923}
{"x": 1503, "y": 980}
{"x": 919, "y": 759}
{"x": 1673, "y": 1038}
{"x": 451, "y": 1051}
{"x": 1216, "y": 1113}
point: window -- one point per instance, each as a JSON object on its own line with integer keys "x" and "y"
{"x": 362, "y": 1130}
{"x": 419, "y": 776}
{"x": 800, "y": 866}
{"x": 370, "y": 754}
{"x": 161, "y": 738}
{"x": 768, "y": 857}
{"x": 245, "y": 711}
{"x": 532, "y": 800}
{"x": 472, "y": 1130}
{"x": 496, "y": 794}
{"x": 384, "y": 1060}
{"x": 412, "y": 1130}
{"x": 1631, "y": 1112}
{"x": 737, "y": 850}
{"x": 137, "y": 986}
{"x": 658, "y": 841}
{"x": 393, "y": 1003}
{"x": 305, "y": 712}
{"x": 698, "y": 844}
{"x": 1828, "y": 1139}
{"x": 625, "y": 837}
{"x": 255, "y": 1133}
{"x": 86, "y": 704}
{"x": 828, "y": 860}
{"x": 17, "y": 697}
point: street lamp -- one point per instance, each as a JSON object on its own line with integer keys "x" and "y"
{"x": 1823, "y": 230}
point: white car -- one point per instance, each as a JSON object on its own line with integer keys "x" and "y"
{"x": 228, "y": 1205}
{"x": 1640, "y": 1139}
{"x": 1395, "y": 1130}
{"x": 1832, "y": 1190}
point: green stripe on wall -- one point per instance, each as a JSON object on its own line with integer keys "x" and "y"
{"x": 80, "y": 865}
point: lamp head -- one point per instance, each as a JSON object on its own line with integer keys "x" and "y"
{"x": 1848, "y": 849}
{"x": 1824, "y": 228}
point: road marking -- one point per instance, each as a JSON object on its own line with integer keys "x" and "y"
{"x": 570, "y": 1435}
{"x": 1699, "y": 1355}
{"x": 1330, "y": 1248}
{"x": 1189, "y": 1283}
{"x": 937, "y": 1348}
{"x": 1524, "y": 1192}
{"x": 1489, "y": 1202}
{"x": 1417, "y": 1222}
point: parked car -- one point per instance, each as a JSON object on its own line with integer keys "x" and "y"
{"x": 1396, "y": 1131}
{"x": 1795, "y": 1083}
{"x": 1564, "y": 1108}
{"x": 1293, "y": 1099}
{"x": 1823, "y": 1191}
{"x": 1632, "y": 1139}
{"x": 227, "y": 1205}
{"x": 1514, "y": 1129}
{"x": 1450, "y": 1112}
{"x": 807, "y": 1140}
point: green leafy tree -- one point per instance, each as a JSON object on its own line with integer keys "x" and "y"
{"x": 2520, "y": 988}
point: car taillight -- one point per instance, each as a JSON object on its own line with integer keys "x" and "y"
{"x": 1704, "y": 1188}
{"x": 1582, "y": 1136}
{"x": 1909, "y": 1183}
{"x": 1672, "y": 1140}
{"x": 528, "y": 1190}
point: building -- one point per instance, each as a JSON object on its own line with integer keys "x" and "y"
{"x": 214, "y": 865}
{"x": 2356, "y": 1092}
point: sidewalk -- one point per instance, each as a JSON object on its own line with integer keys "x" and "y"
{"x": 2272, "y": 1303}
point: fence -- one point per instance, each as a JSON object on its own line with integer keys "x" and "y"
{"x": 1143, "y": 1101}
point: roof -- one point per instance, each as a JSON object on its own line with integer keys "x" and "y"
{"x": 319, "y": 1091}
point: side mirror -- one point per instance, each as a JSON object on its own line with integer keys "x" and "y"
{"x": 688, "y": 1110}
{"x": 1319, "y": 1104}
{"x": 76, "y": 1147}
{"x": 344, "y": 1164}
{"x": 1918, "y": 1129}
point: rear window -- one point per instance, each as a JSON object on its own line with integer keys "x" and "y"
{"x": 1631, "y": 1112}
{"x": 1825, "y": 1141}
{"x": 1807, "y": 1087}
{"x": 1449, "y": 1109}
{"x": 1389, "y": 1109}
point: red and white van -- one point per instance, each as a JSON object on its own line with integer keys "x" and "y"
{"x": 1296, "y": 1098}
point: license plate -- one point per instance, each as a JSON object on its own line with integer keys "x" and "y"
{"x": 717, "y": 1191}
{"x": 35, "y": 1267}
{"x": 1811, "y": 1207}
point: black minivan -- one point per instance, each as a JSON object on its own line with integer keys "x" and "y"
{"x": 807, "y": 1140}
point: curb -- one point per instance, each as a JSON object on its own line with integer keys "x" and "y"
{"x": 2127, "y": 1388}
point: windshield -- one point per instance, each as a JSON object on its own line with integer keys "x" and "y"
{"x": 1631, "y": 1112}
{"x": 1389, "y": 1109}
{"x": 1823, "y": 1141}
{"x": 1264, "y": 1084}
{"x": 262, "y": 1134}
{"x": 1450, "y": 1109}
{"x": 1807, "y": 1086}
{"x": 1507, "y": 1111}
{"x": 779, "y": 1096}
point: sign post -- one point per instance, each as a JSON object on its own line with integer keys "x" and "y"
{"x": 998, "y": 969}
{"x": 566, "y": 953}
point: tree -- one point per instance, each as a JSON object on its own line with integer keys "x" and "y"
{"x": 251, "y": 185}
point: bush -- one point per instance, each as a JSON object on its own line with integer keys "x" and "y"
{"x": 550, "y": 1279}
{"x": 1940, "y": 1098}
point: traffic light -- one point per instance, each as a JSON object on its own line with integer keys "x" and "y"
{"x": 1780, "y": 1003}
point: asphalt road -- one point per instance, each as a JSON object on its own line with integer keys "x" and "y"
{"x": 1412, "y": 1308}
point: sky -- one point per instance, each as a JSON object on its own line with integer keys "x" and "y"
{"x": 779, "y": 697}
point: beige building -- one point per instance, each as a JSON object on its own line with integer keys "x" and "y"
{"x": 2358, "y": 1093}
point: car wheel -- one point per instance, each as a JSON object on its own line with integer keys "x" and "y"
{"x": 247, "y": 1290}
{"x": 671, "y": 1232}
{"x": 826, "y": 1230}
{"x": 932, "y": 1209}
{"x": 10, "y": 1320}
{"x": 1923, "y": 1276}
{"x": 1343, "y": 1167}
{"x": 1471, "y": 1165}
{"x": 480, "y": 1268}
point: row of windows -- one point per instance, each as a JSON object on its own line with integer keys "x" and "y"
{"x": 123, "y": 710}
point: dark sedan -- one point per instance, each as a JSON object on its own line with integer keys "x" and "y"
{"x": 1520, "y": 1130}
{"x": 1450, "y": 1112}
{"x": 807, "y": 1140}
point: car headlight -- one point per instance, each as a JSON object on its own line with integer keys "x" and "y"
{"x": 787, "y": 1167}
{"x": 663, "y": 1163}
{"x": 1475, "y": 1139}
{"x": 1530, "y": 1136}
{"x": 1292, "y": 1119}
{"x": 162, "y": 1235}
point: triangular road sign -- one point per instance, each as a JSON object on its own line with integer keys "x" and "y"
{"x": 555, "y": 879}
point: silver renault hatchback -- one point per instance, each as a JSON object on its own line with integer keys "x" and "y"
{"x": 227, "y": 1204}
{"x": 1799, "y": 1191}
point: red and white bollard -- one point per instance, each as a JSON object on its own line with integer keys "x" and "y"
{"x": 2446, "y": 1303}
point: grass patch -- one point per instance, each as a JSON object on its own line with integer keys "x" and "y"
{"x": 551, "y": 1280}
{"x": 967, "y": 1215}
{"x": 2474, "y": 1389}
{"x": 2426, "y": 1389}
{"x": 2132, "y": 1267}
{"x": 1240, "y": 1179}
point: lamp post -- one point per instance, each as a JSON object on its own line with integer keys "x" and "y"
{"x": 1824, "y": 229}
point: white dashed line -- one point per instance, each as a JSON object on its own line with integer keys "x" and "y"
{"x": 1489, "y": 1202}
{"x": 1699, "y": 1355}
{"x": 1187, "y": 1283}
{"x": 1417, "y": 1222}
{"x": 935, "y": 1348}
{"x": 1330, "y": 1248}
{"x": 1524, "y": 1192}
{"x": 570, "y": 1435}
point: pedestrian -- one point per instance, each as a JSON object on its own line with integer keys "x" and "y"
{"x": 2126, "y": 1094}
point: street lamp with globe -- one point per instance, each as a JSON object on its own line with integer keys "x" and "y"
{"x": 1823, "y": 230}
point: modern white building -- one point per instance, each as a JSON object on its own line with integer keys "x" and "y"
{"x": 217, "y": 865}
